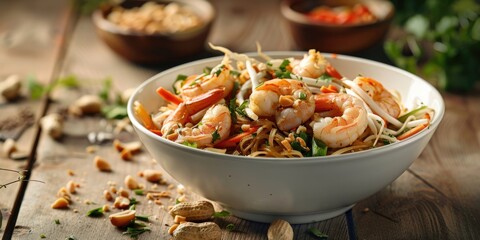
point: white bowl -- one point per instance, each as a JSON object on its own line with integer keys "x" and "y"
{"x": 297, "y": 190}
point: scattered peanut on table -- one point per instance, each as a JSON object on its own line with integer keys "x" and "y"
{"x": 280, "y": 230}
{"x": 194, "y": 211}
{"x": 197, "y": 231}
{"x": 122, "y": 219}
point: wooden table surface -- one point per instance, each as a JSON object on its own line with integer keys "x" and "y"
{"x": 438, "y": 197}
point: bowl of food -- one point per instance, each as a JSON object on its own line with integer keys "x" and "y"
{"x": 151, "y": 32}
{"x": 292, "y": 135}
{"x": 344, "y": 26}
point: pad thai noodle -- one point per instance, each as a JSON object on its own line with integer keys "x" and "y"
{"x": 281, "y": 108}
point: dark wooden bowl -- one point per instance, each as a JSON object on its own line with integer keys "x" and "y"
{"x": 155, "y": 48}
{"x": 310, "y": 34}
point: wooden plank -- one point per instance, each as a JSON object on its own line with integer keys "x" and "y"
{"x": 240, "y": 24}
{"x": 55, "y": 158}
{"x": 28, "y": 46}
{"x": 437, "y": 198}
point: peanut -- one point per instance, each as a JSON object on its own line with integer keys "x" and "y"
{"x": 87, "y": 104}
{"x": 179, "y": 219}
{"x": 71, "y": 187}
{"x": 194, "y": 211}
{"x": 152, "y": 175}
{"x": 280, "y": 230}
{"x": 122, "y": 192}
{"x": 60, "y": 203}
{"x": 63, "y": 193}
{"x": 122, "y": 219}
{"x": 106, "y": 208}
{"x": 132, "y": 147}
{"x": 113, "y": 189}
{"x": 102, "y": 164}
{"x": 126, "y": 155}
{"x": 121, "y": 202}
{"x": 197, "y": 231}
{"x": 108, "y": 196}
{"x": 172, "y": 228}
{"x": 131, "y": 183}
{"x": 10, "y": 87}
{"x": 9, "y": 146}
{"x": 52, "y": 124}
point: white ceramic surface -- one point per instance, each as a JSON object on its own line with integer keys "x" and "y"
{"x": 297, "y": 190}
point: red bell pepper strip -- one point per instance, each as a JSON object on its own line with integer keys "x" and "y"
{"x": 233, "y": 141}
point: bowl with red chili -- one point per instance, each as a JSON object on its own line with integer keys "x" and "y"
{"x": 340, "y": 26}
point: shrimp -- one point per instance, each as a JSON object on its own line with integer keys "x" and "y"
{"x": 347, "y": 120}
{"x": 219, "y": 77}
{"x": 214, "y": 126}
{"x": 379, "y": 95}
{"x": 312, "y": 65}
{"x": 290, "y": 101}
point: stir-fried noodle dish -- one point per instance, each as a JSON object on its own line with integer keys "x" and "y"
{"x": 281, "y": 108}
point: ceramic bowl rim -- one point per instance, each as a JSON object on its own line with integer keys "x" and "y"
{"x": 323, "y": 159}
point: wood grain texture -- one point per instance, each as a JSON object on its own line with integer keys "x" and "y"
{"x": 437, "y": 198}
{"x": 28, "y": 48}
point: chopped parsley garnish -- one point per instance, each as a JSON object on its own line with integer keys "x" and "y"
{"x": 221, "y": 214}
{"x": 297, "y": 146}
{"x": 231, "y": 107}
{"x": 302, "y": 96}
{"x": 219, "y": 70}
{"x": 325, "y": 78}
{"x": 57, "y": 221}
{"x": 284, "y": 65}
{"x": 190, "y": 144}
{"x": 241, "y": 109}
{"x": 230, "y": 227}
{"x": 43, "y": 236}
{"x": 139, "y": 192}
{"x": 283, "y": 72}
{"x": 96, "y": 212}
{"x": 207, "y": 70}
{"x": 134, "y": 229}
{"x": 215, "y": 136}
{"x": 142, "y": 218}
{"x": 133, "y": 202}
{"x": 318, "y": 234}
{"x": 234, "y": 73}
{"x": 319, "y": 148}
{"x": 181, "y": 78}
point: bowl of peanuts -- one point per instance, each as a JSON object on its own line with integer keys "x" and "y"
{"x": 299, "y": 189}
{"x": 155, "y": 32}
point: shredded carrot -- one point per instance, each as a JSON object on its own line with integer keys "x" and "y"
{"x": 169, "y": 96}
{"x": 334, "y": 55}
{"x": 415, "y": 130}
{"x": 232, "y": 142}
{"x": 329, "y": 89}
{"x": 144, "y": 116}
{"x": 333, "y": 72}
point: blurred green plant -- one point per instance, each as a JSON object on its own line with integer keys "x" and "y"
{"x": 441, "y": 41}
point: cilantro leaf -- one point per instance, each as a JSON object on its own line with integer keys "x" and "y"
{"x": 96, "y": 212}
{"x": 221, "y": 214}
{"x": 181, "y": 78}
{"x": 215, "y": 136}
{"x": 318, "y": 234}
